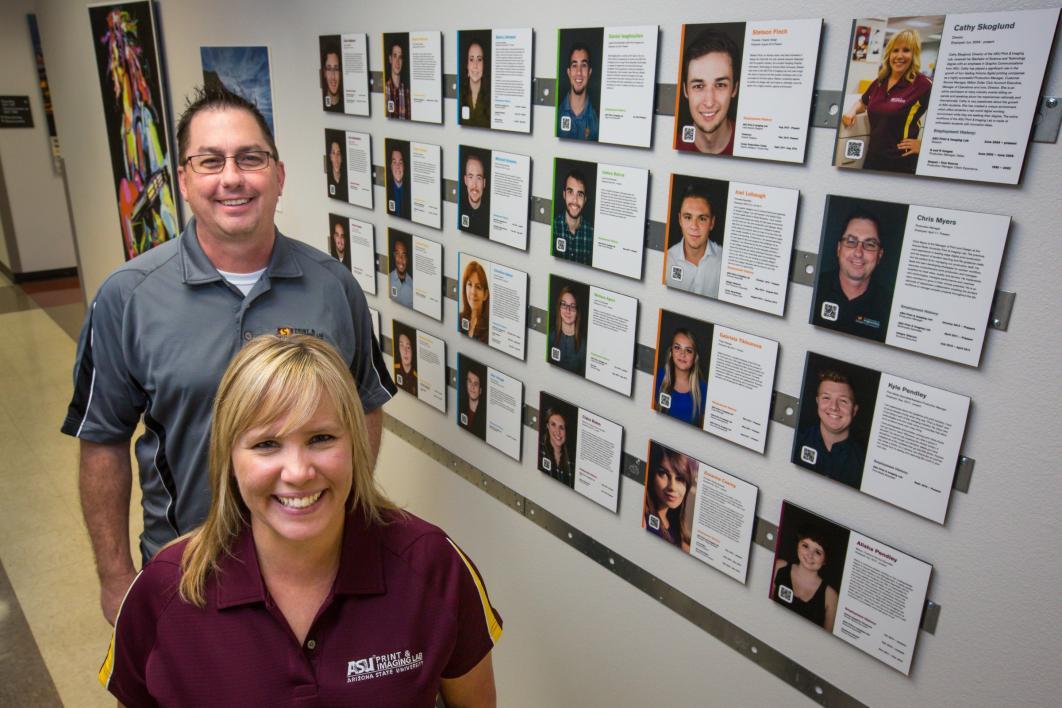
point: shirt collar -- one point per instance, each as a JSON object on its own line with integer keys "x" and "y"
{"x": 360, "y": 566}
{"x": 197, "y": 268}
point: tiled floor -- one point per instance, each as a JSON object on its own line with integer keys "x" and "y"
{"x": 44, "y": 548}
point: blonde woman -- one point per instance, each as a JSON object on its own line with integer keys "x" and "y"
{"x": 895, "y": 104}
{"x": 681, "y": 388}
{"x": 305, "y": 581}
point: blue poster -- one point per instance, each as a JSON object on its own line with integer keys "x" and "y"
{"x": 243, "y": 71}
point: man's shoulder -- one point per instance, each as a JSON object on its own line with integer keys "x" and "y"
{"x": 126, "y": 277}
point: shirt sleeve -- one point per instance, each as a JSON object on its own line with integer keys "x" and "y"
{"x": 368, "y": 368}
{"x": 107, "y": 401}
{"x": 479, "y": 626}
{"x": 124, "y": 671}
{"x": 450, "y": 573}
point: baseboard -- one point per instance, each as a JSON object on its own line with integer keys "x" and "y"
{"x": 36, "y": 275}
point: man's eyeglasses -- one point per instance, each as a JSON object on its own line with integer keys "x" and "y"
{"x": 869, "y": 246}
{"x": 246, "y": 161}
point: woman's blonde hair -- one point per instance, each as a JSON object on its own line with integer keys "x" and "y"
{"x": 907, "y": 38}
{"x": 274, "y": 379}
{"x": 671, "y": 375}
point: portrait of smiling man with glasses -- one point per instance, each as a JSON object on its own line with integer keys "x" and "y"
{"x": 163, "y": 327}
{"x": 849, "y": 298}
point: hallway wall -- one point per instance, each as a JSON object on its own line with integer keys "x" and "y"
{"x": 576, "y": 635}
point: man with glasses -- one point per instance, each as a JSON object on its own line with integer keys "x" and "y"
{"x": 331, "y": 75}
{"x": 849, "y": 299}
{"x": 164, "y": 326}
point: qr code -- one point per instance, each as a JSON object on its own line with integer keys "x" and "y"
{"x": 561, "y": 245}
{"x": 853, "y": 149}
{"x": 554, "y": 354}
{"x": 464, "y": 419}
{"x": 689, "y": 133}
{"x": 785, "y": 594}
{"x": 332, "y": 190}
{"x": 390, "y": 205}
{"x": 547, "y": 464}
{"x": 391, "y": 106}
{"x": 665, "y": 401}
{"x": 830, "y": 311}
{"x": 676, "y": 272}
{"x": 566, "y": 123}
{"x": 464, "y": 323}
{"x": 464, "y": 220}
{"x": 394, "y": 292}
{"x": 654, "y": 522}
{"x": 809, "y": 454}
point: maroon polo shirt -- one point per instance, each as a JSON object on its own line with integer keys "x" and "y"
{"x": 407, "y": 609}
{"x": 894, "y": 116}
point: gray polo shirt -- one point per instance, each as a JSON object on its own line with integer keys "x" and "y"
{"x": 156, "y": 342}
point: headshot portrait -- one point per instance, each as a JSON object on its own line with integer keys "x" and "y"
{"x": 573, "y": 210}
{"x": 473, "y": 205}
{"x": 809, "y": 565}
{"x": 557, "y": 424}
{"x": 887, "y": 93}
{"x": 339, "y": 238}
{"x": 396, "y": 75}
{"x": 836, "y": 412}
{"x": 399, "y": 192}
{"x": 404, "y": 353}
{"x": 711, "y": 80}
{"x": 474, "y": 106}
{"x": 578, "y": 83}
{"x": 472, "y": 396}
{"x": 568, "y": 317}
{"x": 474, "y": 321}
{"x": 670, "y": 490}
{"x": 683, "y": 350}
{"x": 696, "y": 223}
{"x": 400, "y": 277}
{"x": 858, "y": 261}
{"x": 331, "y": 73}
{"x": 335, "y": 147}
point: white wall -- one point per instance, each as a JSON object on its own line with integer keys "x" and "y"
{"x": 42, "y": 237}
{"x": 576, "y": 635}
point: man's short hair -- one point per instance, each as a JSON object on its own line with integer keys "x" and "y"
{"x": 218, "y": 98}
{"x": 396, "y": 42}
{"x": 477, "y": 158}
{"x": 835, "y": 376}
{"x": 329, "y": 45}
{"x": 581, "y": 47}
{"x": 860, "y": 213}
{"x": 576, "y": 174}
{"x": 709, "y": 41}
{"x": 694, "y": 191}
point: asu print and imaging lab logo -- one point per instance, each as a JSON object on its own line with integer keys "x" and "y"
{"x": 308, "y": 331}
{"x": 380, "y": 665}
